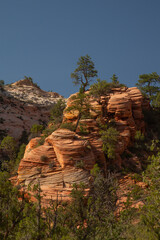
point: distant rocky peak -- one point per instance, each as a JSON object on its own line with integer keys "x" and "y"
{"x": 23, "y": 104}
{"x": 23, "y": 82}
{"x": 27, "y": 91}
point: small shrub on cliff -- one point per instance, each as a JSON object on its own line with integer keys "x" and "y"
{"x": 20, "y": 154}
{"x": 67, "y": 125}
{"x": 83, "y": 130}
{"x": 44, "y": 158}
{"x": 8, "y": 146}
{"x": 79, "y": 164}
{"x": 100, "y": 88}
{"x": 31, "y": 80}
{"x": 51, "y": 128}
{"x": 109, "y": 137}
{"x": 103, "y": 88}
{"x": 57, "y": 111}
{"x": 139, "y": 141}
{"x": 139, "y": 136}
{"x": 81, "y": 104}
{"x": 36, "y": 130}
{"x": 41, "y": 140}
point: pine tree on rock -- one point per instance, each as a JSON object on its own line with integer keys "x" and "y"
{"x": 85, "y": 72}
{"x": 149, "y": 84}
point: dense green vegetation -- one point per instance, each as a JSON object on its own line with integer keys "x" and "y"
{"x": 95, "y": 215}
{"x": 89, "y": 216}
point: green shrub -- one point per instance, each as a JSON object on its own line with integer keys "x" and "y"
{"x": 36, "y": 128}
{"x": 41, "y": 141}
{"x": 79, "y": 164}
{"x": 50, "y": 129}
{"x": 137, "y": 177}
{"x": 67, "y": 125}
{"x": 9, "y": 148}
{"x": 20, "y": 153}
{"x": 139, "y": 136}
{"x": 31, "y": 80}
{"x": 83, "y": 130}
{"x": 103, "y": 88}
{"x": 109, "y": 138}
{"x": 57, "y": 111}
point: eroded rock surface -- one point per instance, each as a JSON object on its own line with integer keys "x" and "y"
{"x": 125, "y": 106}
{"x": 66, "y": 157}
{"x": 23, "y": 104}
{"x": 63, "y": 160}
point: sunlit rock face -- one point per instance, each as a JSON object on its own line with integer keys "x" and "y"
{"x": 64, "y": 159}
{"x": 125, "y": 106}
{"x": 67, "y": 157}
{"x": 23, "y": 104}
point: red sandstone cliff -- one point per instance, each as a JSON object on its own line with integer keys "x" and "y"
{"x": 66, "y": 157}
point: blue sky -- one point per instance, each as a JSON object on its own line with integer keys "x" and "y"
{"x": 44, "y": 39}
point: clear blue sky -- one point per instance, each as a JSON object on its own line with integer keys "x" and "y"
{"x": 44, "y": 39}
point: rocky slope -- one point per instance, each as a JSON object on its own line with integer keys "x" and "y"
{"x": 23, "y": 104}
{"x": 66, "y": 157}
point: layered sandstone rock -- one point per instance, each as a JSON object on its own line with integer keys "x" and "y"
{"x": 125, "y": 106}
{"x": 67, "y": 157}
{"x": 23, "y": 104}
{"x": 64, "y": 159}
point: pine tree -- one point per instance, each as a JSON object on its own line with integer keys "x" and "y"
{"x": 84, "y": 73}
{"x": 149, "y": 84}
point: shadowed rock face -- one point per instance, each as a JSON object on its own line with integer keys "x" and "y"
{"x": 66, "y": 157}
{"x": 22, "y": 104}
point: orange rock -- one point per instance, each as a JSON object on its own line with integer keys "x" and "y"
{"x": 67, "y": 157}
{"x": 64, "y": 159}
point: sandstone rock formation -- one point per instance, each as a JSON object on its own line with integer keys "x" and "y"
{"x": 125, "y": 106}
{"x": 66, "y": 157}
{"x": 23, "y": 104}
{"x": 63, "y": 160}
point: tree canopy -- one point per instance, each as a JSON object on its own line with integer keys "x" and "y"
{"x": 85, "y": 72}
{"x": 57, "y": 111}
{"x": 114, "y": 79}
{"x": 149, "y": 84}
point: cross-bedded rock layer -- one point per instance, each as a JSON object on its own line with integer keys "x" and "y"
{"x": 66, "y": 157}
